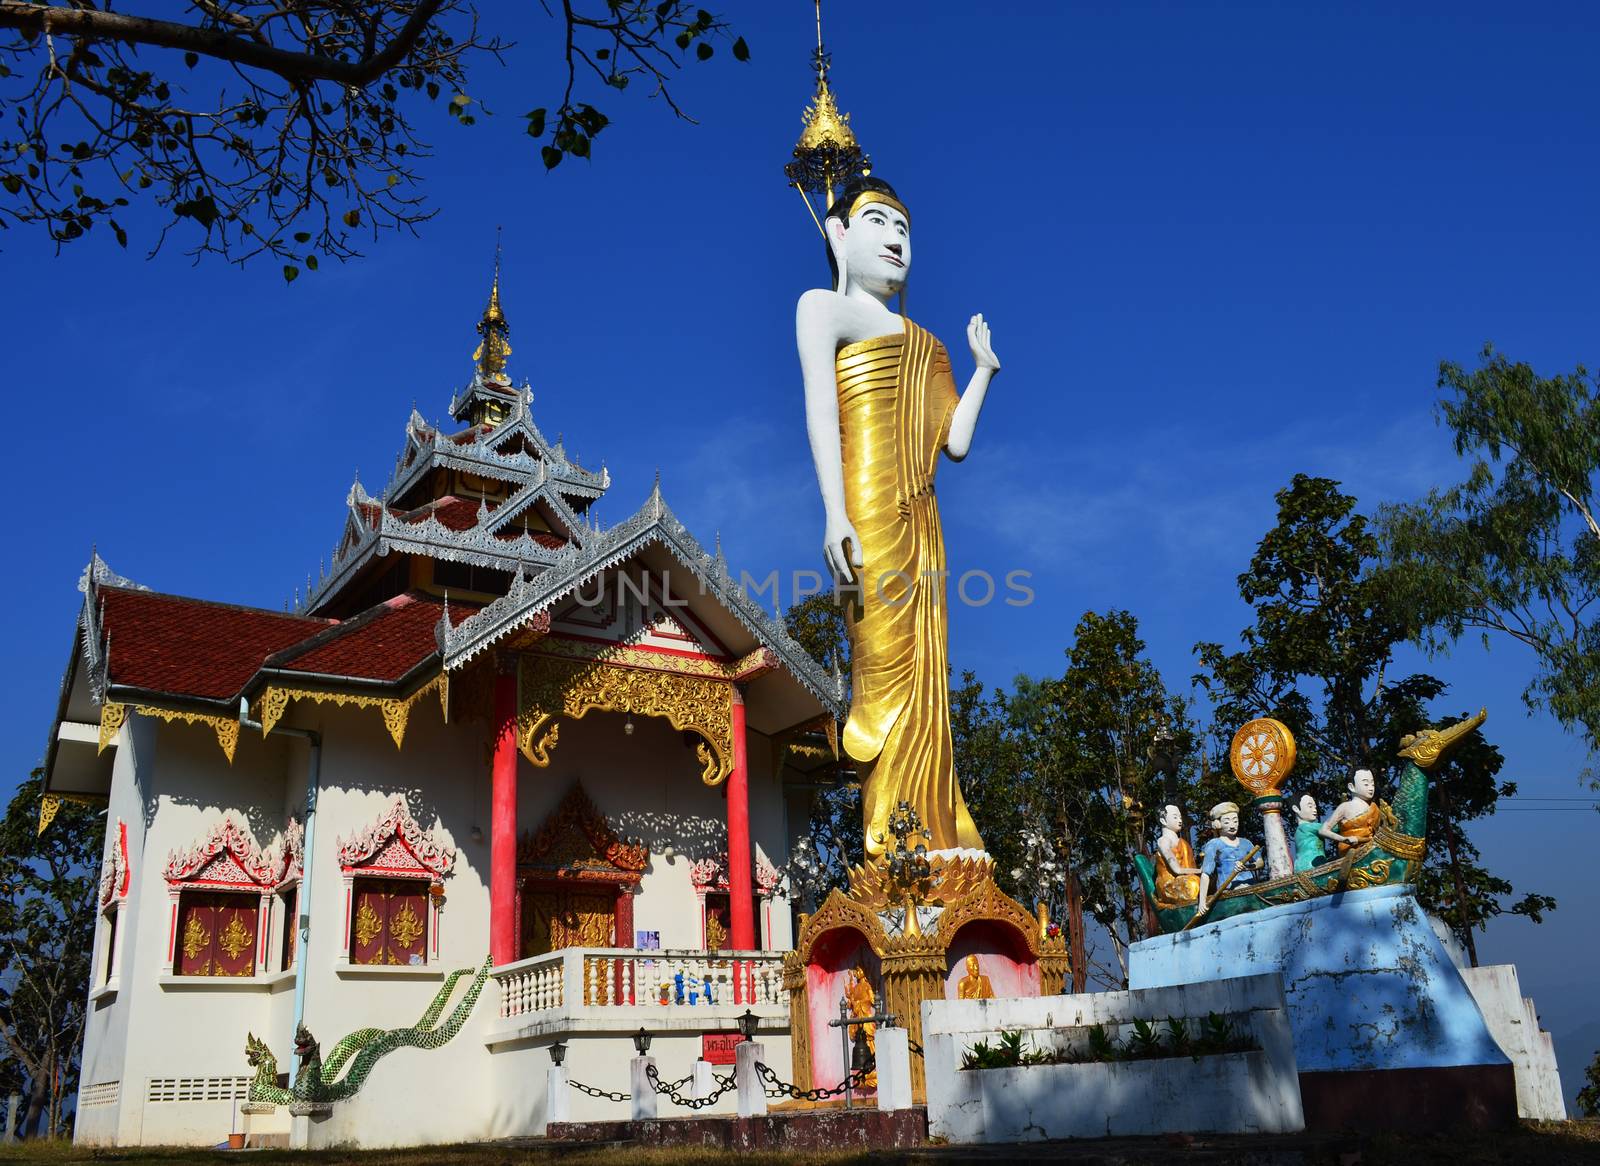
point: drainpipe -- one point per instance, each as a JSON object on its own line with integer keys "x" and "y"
{"x": 307, "y": 866}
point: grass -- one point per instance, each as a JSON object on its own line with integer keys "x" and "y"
{"x": 1533, "y": 1144}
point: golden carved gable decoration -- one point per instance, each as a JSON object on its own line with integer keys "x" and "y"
{"x": 549, "y": 687}
{"x": 839, "y": 911}
{"x": 576, "y": 841}
{"x": 989, "y": 902}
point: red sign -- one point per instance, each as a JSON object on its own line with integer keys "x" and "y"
{"x": 717, "y": 1047}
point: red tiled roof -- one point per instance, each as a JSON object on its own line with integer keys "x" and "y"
{"x": 382, "y": 643}
{"x": 544, "y": 538}
{"x": 192, "y": 647}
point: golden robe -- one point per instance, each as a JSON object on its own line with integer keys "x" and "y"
{"x": 1173, "y": 889}
{"x": 896, "y": 397}
{"x": 1360, "y": 828}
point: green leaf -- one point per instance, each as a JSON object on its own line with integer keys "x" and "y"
{"x": 116, "y": 229}
{"x": 741, "y": 51}
{"x": 536, "y": 122}
{"x": 12, "y": 183}
{"x": 682, "y": 40}
{"x": 551, "y": 156}
{"x": 290, "y": 273}
{"x": 352, "y": 217}
{"x": 703, "y": 50}
{"x": 191, "y": 59}
{"x": 311, "y": 262}
{"x": 302, "y": 236}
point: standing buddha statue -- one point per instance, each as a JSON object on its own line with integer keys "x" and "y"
{"x": 881, "y": 406}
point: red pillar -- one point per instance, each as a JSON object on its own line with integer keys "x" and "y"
{"x": 503, "y": 824}
{"x": 742, "y": 930}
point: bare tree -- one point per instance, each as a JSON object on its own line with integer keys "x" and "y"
{"x": 289, "y": 124}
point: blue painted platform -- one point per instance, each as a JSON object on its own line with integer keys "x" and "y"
{"x": 1369, "y": 986}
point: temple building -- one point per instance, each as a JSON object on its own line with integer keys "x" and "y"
{"x": 492, "y": 736}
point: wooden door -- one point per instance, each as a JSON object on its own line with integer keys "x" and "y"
{"x": 555, "y": 917}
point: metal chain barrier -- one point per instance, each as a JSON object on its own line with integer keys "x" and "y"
{"x": 777, "y": 1088}
{"x": 607, "y": 1094}
{"x": 916, "y": 1049}
{"x": 670, "y": 1092}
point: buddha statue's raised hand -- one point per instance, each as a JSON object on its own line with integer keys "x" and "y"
{"x": 978, "y": 340}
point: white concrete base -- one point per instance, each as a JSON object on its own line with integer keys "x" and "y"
{"x": 1514, "y": 1024}
{"x": 1254, "y": 1092}
{"x": 752, "y": 1093}
{"x": 643, "y": 1105}
{"x": 704, "y": 1083}
{"x": 557, "y": 1095}
{"x": 894, "y": 1068}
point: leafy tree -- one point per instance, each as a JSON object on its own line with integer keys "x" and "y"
{"x": 1589, "y": 1095}
{"x": 1087, "y": 737}
{"x": 282, "y": 127}
{"x": 1329, "y": 614}
{"x": 46, "y": 911}
{"x": 834, "y": 840}
{"x": 1515, "y": 549}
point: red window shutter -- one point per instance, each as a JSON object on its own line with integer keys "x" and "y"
{"x": 406, "y": 931}
{"x": 197, "y": 934}
{"x": 291, "y": 927}
{"x": 368, "y": 922}
{"x": 235, "y": 940}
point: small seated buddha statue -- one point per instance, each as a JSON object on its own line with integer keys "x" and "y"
{"x": 1177, "y": 873}
{"x": 974, "y": 985}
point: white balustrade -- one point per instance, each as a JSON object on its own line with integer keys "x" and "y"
{"x": 600, "y": 978}
{"x": 531, "y": 985}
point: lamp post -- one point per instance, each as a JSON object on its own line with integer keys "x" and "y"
{"x": 747, "y": 1024}
{"x": 558, "y": 1053}
{"x": 641, "y": 1042}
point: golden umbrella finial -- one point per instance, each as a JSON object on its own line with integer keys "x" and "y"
{"x": 827, "y": 154}
{"x": 495, "y": 344}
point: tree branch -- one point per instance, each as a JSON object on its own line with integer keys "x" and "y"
{"x": 95, "y": 24}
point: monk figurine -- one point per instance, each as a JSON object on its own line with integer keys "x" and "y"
{"x": 1354, "y": 821}
{"x": 974, "y": 985}
{"x": 1221, "y": 858}
{"x": 1177, "y": 876}
{"x": 1308, "y": 847}
{"x": 862, "y": 1001}
{"x": 881, "y": 406}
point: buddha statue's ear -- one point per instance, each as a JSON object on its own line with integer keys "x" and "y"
{"x": 834, "y": 229}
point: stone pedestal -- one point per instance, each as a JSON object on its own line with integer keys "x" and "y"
{"x": 704, "y": 1082}
{"x": 894, "y": 1069}
{"x": 1386, "y": 1032}
{"x": 752, "y": 1093}
{"x": 557, "y": 1095}
{"x": 643, "y": 1105}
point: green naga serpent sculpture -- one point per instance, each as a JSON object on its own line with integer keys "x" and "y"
{"x": 320, "y": 1083}
{"x": 1393, "y": 855}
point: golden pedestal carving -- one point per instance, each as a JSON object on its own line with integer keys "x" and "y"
{"x": 914, "y": 967}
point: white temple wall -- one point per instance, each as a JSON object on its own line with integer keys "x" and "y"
{"x": 185, "y": 1035}
{"x": 172, "y": 785}
{"x": 103, "y": 1095}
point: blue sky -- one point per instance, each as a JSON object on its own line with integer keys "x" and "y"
{"x": 1217, "y": 245}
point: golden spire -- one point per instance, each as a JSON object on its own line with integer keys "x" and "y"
{"x": 495, "y": 344}
{"x": 827, "y": 154}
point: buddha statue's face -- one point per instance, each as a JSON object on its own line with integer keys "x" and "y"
{"x": 972, "y": 965}
{"x": 1172, "y": 817}
{"x": 876, "y": 249}
{"x": 1364, "y": 785}
{"x": 1306, "y": 808}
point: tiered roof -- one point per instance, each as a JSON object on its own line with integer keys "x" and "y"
{"x": 495, "y": 497}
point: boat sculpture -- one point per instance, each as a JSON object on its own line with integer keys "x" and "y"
{"x": 1393, "y": 855}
